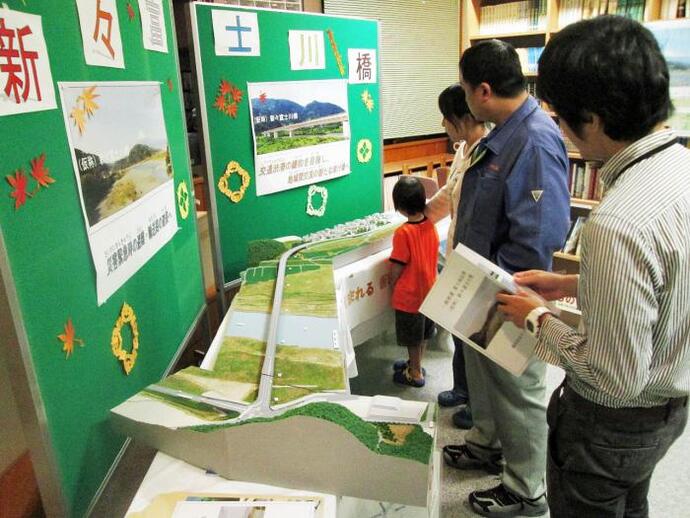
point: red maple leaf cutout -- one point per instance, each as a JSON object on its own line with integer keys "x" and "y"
{"x": 40, "y": 172}
{"x": 170, "y": 84}
{"x": 225, "y": 87}
{"x": 231, "y": 109}
{"x": 68, "y": 340}
{"x": 130, "y": 12}
{"x": 18, "y": 183}
{"x": 220, "y": 103}
{"x": 236, "y": 94}
{"x": 262, "y": 97}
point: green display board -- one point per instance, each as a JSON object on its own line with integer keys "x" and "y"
{"x": 49, "y": 273}
{"x": 230, "y": 138}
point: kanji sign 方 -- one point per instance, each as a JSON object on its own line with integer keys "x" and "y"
{"x": 26, "y": 84}
{"x": 100, "y": 32}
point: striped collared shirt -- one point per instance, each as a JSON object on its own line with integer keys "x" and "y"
{"x": 634, "y": 285}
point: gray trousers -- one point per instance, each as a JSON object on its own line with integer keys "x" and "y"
{"x": 509, "y": 415}
{"x": 601, "y": 459}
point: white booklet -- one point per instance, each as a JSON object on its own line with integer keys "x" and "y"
{"x": 463, "y": 301}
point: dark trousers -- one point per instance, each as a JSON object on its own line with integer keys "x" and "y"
{"x": 600, "y": 459}
{"x": 459, "y": 376}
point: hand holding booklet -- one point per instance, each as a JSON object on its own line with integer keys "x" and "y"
{"x": 463, "y": 301}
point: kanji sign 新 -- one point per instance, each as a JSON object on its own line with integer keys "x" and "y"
{"x": 26, "y": 83}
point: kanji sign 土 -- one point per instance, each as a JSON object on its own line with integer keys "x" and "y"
{"x": 26, "y": 83}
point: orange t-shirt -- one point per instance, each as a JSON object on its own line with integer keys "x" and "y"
{"x": 415, "y": 246}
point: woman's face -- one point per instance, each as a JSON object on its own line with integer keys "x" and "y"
{"x": 452, "y": 130}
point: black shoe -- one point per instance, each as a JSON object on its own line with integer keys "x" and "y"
{"x": 463, "y": 418}
{"x": 461, "y": 457}
{"x": 499, "y": 501}
{"x": 449, "y": 398}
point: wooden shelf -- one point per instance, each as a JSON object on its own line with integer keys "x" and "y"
{"x": 501, "y": 35}
{"x": 567, "y": 257}
{"x": 575, "y": 155}
{"x": 428, "y": 162}
{"x": 583, "y": 204}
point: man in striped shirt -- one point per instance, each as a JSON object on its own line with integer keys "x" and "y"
{"x": 624, "y": 400}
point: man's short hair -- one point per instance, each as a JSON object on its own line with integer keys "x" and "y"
{"x": 408, "y": 195}
{"x": 452, "y": 103}
{"x": 496, "y": 63}
{"x": 609, "y": 66}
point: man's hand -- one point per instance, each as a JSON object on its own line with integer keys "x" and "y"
{"x": 551, "y": 286}
{"x": 516, "y": 307}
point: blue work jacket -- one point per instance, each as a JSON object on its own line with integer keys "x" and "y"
{"x": 515, "y": 202}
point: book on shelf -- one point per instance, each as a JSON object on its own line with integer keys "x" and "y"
{"x": 584, "y": 180}
{"x": 575, "y": 10}
{"x": 529, "y": 58}
{"x": 573, "y": 238}
{"x": 524, "y": 16}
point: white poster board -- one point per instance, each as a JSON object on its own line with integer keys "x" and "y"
{"x": 122, "y": 166}
{"x": 301, "y": 133}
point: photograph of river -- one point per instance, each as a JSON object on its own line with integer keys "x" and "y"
{"x": 122, "y": 151}
{"x": 124, "y": 175}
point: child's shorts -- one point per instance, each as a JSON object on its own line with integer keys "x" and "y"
{"x": 412, "y": 329}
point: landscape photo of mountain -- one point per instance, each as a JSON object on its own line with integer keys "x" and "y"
{"x": 301, "y": 133}
{"x": 293, "y": 115}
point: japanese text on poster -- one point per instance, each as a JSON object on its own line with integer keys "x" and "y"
{"x": 26, "y": 84}
{"x": 362, "y": 65}
{"x": 153, "y": 25}
{"x": 301, "y": 133}
{"x": 100, "y": 33}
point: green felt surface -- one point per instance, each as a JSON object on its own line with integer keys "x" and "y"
{"x": 50, "y": 261}
{"x": 279, "y": 214}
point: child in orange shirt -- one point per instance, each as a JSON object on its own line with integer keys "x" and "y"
{"x": 414, "y": 258}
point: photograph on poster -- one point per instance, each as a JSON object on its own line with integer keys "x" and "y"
{"x": 301, "y": 132}
{"x": 674, "y": 40}
{"x": 122, "y": 165}
{"x": 26, "y": 83}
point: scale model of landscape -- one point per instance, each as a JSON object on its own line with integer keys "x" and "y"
{"x": 278, "y": 393}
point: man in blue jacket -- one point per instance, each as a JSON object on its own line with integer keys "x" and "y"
{"x": 515, "y": 211}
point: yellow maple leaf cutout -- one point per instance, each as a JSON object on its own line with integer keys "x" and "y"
{"x": 68, "y": 340}
{"x": 368, "y": 100}
{"x": 88, "y": 97}
{"x": 79, "y": 117}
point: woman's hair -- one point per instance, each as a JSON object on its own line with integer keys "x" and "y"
{"x": 452, "y": 103}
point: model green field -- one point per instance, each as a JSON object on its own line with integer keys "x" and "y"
{"x": 403, "y": 441}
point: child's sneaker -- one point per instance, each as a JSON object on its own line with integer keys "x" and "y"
{"x": 401, "y": 365}
{"x": 403, "y": 377}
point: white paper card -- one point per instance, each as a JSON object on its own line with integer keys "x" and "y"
{"x": 26, "y": 84}
{"x": 306, "y": 50}
{"x": 153, "y": 25}
{"x": 236, "y": 33}
{"x": 120, "y": 153}
{"x": 100, "y": 33}
{"x": 362, "y": 65}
